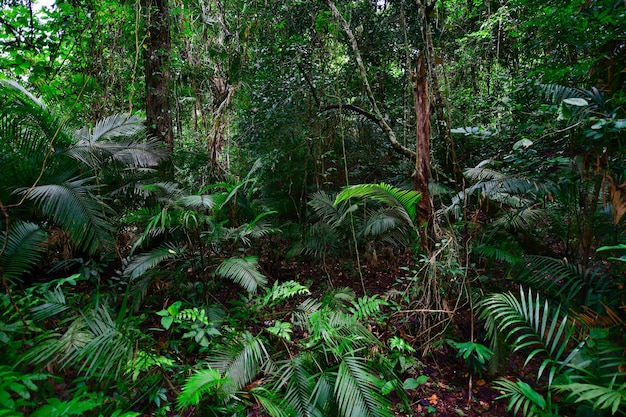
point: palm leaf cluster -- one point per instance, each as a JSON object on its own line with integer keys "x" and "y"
{"x": 199, "y": 230}
{"x": 53, "y": 176}
{"x": 381, "y": 212}
{"x": 584, "y": 363}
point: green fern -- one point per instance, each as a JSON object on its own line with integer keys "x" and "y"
{"x": 243, "y": 360}
{"x": 202, "y": 384}
{"x": 357, "y": 390}
{"x": 140, "y": 264}
{"x": 23, "y": 251}
{"x": 367, "y": 306}
{"x": 242, "y": 271}
{"x": 610, "y": 397}
{"x": 522, "y": 397}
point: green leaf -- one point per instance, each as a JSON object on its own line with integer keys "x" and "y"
{"x": 167, "y": 321}
{"x": 412, "y": 383}
{"x": 532, "y": 395}
{"x": 576, "y": 101}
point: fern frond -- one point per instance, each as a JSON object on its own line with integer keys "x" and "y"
{"x": 299, "y": 381}
{"x": 610, "y": 397}
{"x": 521, "y": 396}
{"x": 73, "y": 205}
{"x": 356, "y": 391}
{"x": 242, "y": 271}
{"x": 55, "y": 304}
{"x": 405, "y": 201}
{"x": 497, "y": 254}
{"x": 204, "y": 383}
{"x": 367, "y": 306}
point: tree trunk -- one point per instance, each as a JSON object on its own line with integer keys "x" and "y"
{"x": 157, "y": 71}
{"x": 438, "y": 102}
{"x": 421, "y": 176}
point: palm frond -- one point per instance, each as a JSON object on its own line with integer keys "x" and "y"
{"x": 73, "y": 205}
{"x": 114, "y": 126}
{"x": 204, "y": 383}
{"x": 568, "y": 280}
{"x": 110, "y": 347}
{"x": 356, "y": 390}
{"x": 324, "y": 206}
{"x": 405, "y": 201}
{"x": 242, "y": 271}
{"x": 207, "y": 201}
{"x": 23, "y": 250}
{"x": 272, "y": 402}
{"x": 497, "y": 253}
{"x": 610, "y": 397}
{"x": 523, "y": 219}
{"x": 55, "y": 303}
{"x": 521, "y": 396}
{"x": 529, "y": 323}
{"x": 243, "y": 360}
{"x": 299, "y": 381}
{"x": 381, "y": 222}
{"x": 141, "y": 263}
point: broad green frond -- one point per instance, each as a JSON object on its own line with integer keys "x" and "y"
{"x": 299, "y": 381}
{"x": 114, "y": 126}
{"x": 523, "y": 219}
{"x": 381, "y": 222}
{"x": 140, "y": 264}
{"x": 521, "y": 397}
{"x": 406, "y": 201}
{"x": 73, "y": 206}
{"x": 602, "y": 397}
{"x": 242, "y": 271}
{"x": 55, "y": 303}
{"x": 367, "y": 306}
{"x": 204, "y": 383}
{"x": 23, "y": 249}
{"x": 497, "y": 254}
{"x": 357, "y": 392}
{"x": 243, "y": 361}
{"x": 529, "y": 323}
{"x": 197, "y": 201}
{"x": 110, "y": 345}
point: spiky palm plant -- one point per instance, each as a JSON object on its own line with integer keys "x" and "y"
{"x": 389, "y": 216}
{"x": 589, "y": 368}
{"x": 52, "y": 175}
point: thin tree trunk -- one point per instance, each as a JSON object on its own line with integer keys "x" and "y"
{"x": 438, "y": 102}
{"x": 380, "y": 120}
{"x": 421, "y": 176}
{"x": 157, "y": 71}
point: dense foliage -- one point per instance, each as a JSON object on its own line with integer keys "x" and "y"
{"x": 286, "y": 208}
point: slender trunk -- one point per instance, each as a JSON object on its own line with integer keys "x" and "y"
{"x": 438, "y": 101}
{"x": 421, "y": 175}
{"x": 378, "y": 116}
{"x": 157, "y": 71}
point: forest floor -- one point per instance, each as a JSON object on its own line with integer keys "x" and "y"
{"x": 449, "y": 391}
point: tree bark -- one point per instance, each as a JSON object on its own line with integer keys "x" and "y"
{"x": 438, "y": 102}
{"x": 157, "y": 71}
{"x": 421, "y": 176}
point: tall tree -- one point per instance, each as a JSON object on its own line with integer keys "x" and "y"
{"x": 157, "y": 71}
